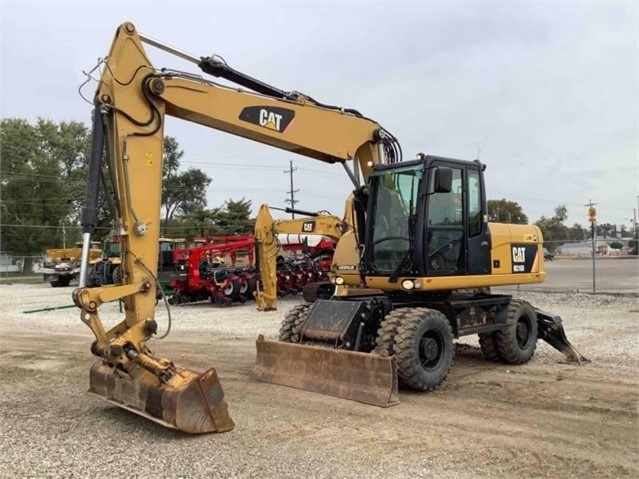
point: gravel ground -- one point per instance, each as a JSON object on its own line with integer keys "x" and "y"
{"x": 543, "y": 419}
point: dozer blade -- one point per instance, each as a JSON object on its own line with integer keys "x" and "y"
{"x": 357, "y": 376}
{"x": 197, "y": 406}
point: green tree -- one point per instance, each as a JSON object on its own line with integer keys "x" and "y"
{"x": 553, "y": 229}
{"x": 577, "y": 233}
{"x": 205, "y": 222}
{"x": 171, "y": 156}
{"x": 43, "y": 185}
{"x": 183, "y": 193}
{"x": 506, "y": 211}
{"x": 199, "y": 224}
{"x": 606, "y": 229}
{"x": 234, "y": 217}
{"x": 40, "y": 165}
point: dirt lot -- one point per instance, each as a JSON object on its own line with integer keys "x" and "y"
{"x": 543, "y": 419}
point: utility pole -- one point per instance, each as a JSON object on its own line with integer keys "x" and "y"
{"x": 292, "y": 192}
{"x": 592, "y": 217}
{"x": 64, "y": 236}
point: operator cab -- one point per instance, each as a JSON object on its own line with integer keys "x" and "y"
{"x": 427, "y": 217}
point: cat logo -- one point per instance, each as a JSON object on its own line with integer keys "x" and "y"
{"x": 270, "y": 120}
{"x": 519, "y": 254}
{"x": 271, "y": 117}
{"x": 308, "y": 226}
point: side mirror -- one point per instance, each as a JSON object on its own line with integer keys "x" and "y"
{"x": 443, "y": 180}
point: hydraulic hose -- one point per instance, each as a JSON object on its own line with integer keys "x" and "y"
{"x": 90, "y": 210}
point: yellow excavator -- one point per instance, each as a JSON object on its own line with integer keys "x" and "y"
{"x": 420, "y": 246}
{"x": 267, "y": 246}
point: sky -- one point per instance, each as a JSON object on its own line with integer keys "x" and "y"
{"x": 545, "y": 93}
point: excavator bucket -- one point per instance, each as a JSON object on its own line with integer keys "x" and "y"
{"x": 197, "y": 406}
{"x": 363, "y": 377}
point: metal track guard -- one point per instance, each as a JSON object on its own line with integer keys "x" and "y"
{"x": 196, "y": 406}
{"x": 362, "y": 377}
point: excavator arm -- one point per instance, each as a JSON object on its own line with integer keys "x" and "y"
{"x": 131, "y": 102}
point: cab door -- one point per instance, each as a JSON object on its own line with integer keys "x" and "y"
{"x": 445, "y": 248}
{"x": 478, "y": 236}
{"x": 456, "y": 234}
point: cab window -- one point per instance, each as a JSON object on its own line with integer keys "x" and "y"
{"x": 474, "y": 203}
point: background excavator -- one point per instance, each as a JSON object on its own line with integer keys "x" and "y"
{"x": 420, "y": 249}
{"x": 267, "y": 248}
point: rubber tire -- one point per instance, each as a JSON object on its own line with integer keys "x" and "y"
{"x": 117, "y": 275}
{"x": 488, "y": 345}
{"x": 385, "y": 341}
{"x": 289, "y": 331}
{"x": 244, "y": 287}
{"x": 232, "y": 292}
{"x": 509, "y": 348}
{"x": 252, "y": 287}
{"x": 407, "y": 349}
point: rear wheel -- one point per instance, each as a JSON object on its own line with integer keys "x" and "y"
{"x": 289, "y": 331}
{"x": 424, "y": 349}
{"x": 516, "y": 343}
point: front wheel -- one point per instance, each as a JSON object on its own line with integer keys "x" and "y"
{"x": 290, "y": 329}
{"x": 424, "y": 349}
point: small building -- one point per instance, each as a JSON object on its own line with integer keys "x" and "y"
{"x": 8, "y": 264}
{"x": 584, "y": 248}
